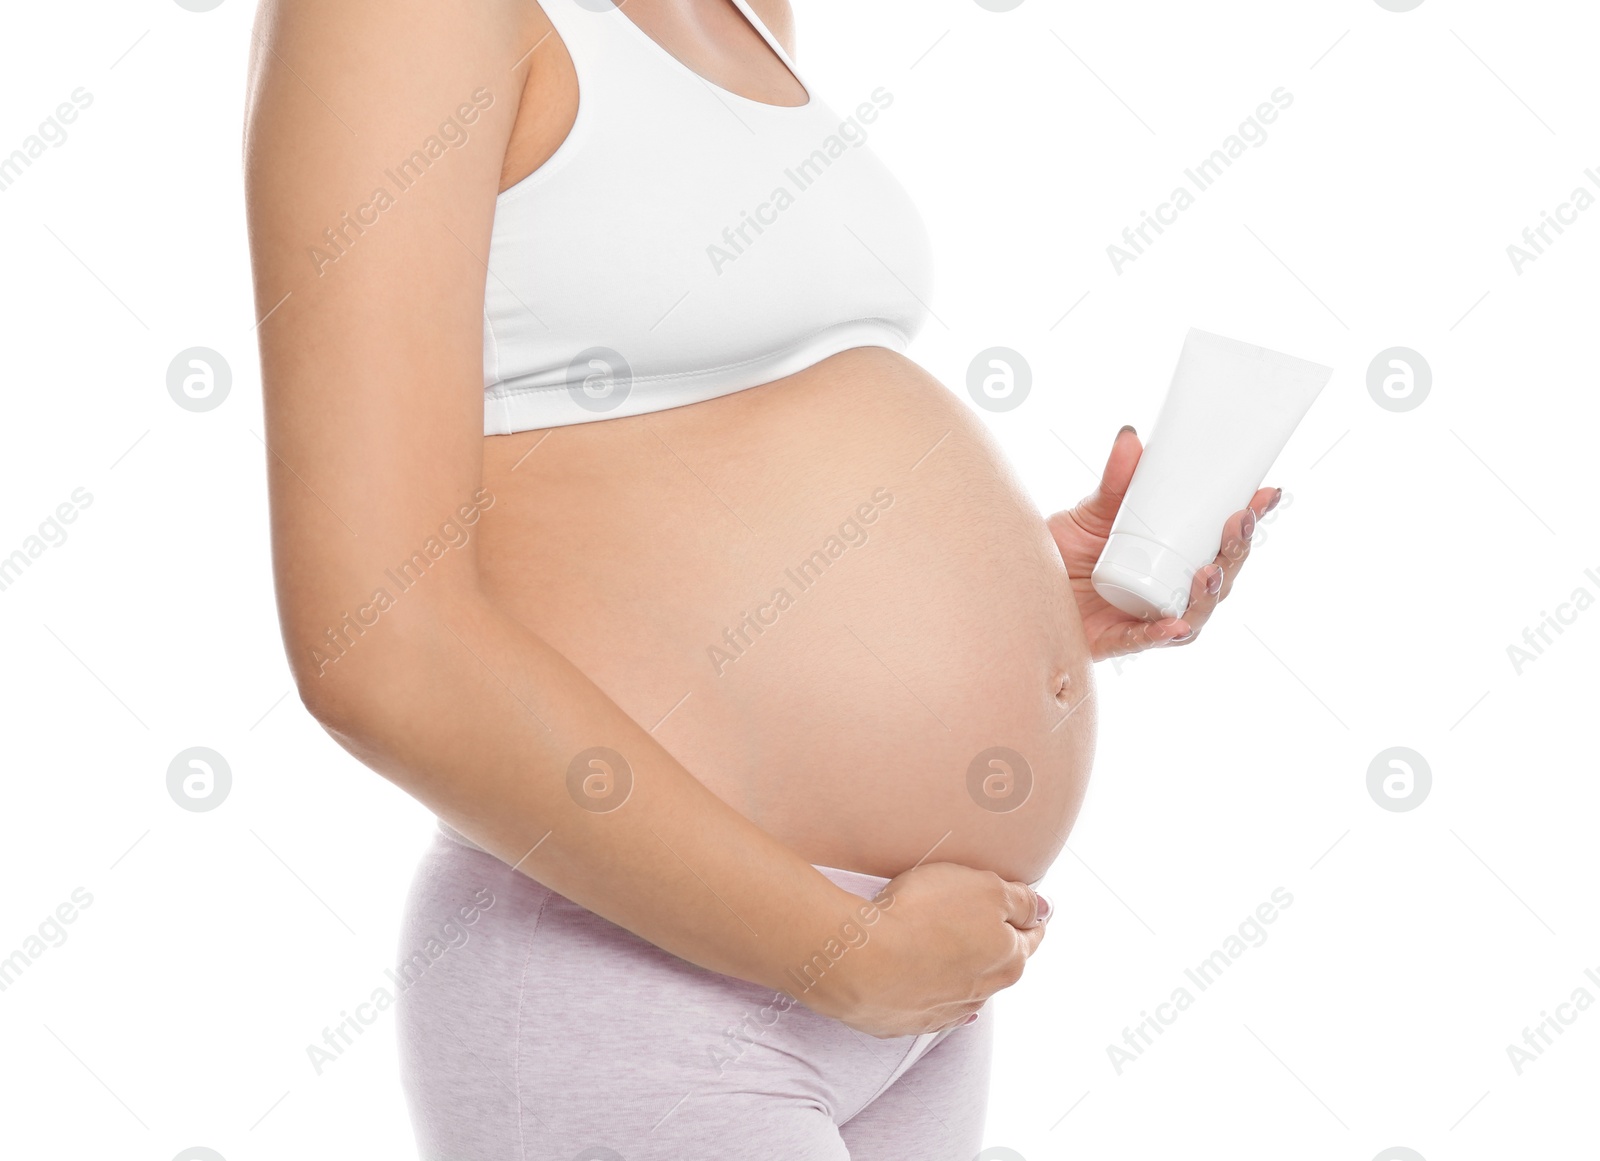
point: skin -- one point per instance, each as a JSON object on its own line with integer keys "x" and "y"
{"x": 474, "y": 689}
{"x": 947, "y": 630}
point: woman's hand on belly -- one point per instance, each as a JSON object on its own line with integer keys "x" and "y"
{"x": 933, "y": 945}
{"x": 1081, "y": 533}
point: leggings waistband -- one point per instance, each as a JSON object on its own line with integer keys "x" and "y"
{"x": 856, "y": 882}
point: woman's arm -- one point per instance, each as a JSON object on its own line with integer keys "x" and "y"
{"x": 375, "y": 136}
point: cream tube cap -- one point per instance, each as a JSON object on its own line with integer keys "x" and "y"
{"x": 1142, "y": 577}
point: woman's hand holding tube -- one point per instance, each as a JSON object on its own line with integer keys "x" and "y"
{"x": 1081, "y": 532}
{"x": 927, "y": 952}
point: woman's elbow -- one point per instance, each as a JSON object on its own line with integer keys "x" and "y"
{"x": 344, "y": 680}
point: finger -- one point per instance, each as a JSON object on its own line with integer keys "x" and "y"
{"x": 1205, "y": 590}
{"x": 1136, "y": 636}
{"x": 1235, "y": 550}
{"x": 1024, "y": 907}
{"x": 1097, "y": 512}
{"x": 969, "y": 1016}
{"x": 1126, "y": 448}
{"x": 1028, "y": 941}
{"x": 1266, "y": 499}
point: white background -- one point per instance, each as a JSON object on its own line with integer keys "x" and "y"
{"x": 1413, "y": 548}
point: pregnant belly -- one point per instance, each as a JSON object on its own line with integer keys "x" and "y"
{"x": 829, "y": 598}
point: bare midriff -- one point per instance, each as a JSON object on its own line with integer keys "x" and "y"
{"x": 828, "y": 597}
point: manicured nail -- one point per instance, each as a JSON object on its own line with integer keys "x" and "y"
{"x": 1185, "y": 637}
{"x": 1041, "y": 908}
{"x": 972, "y": 1019}
{"x": 1127, "y": 427}
{"x": 1273, "y": 503}
{"x": 1249, "y": 527}
{"x": 1214, "y": 581}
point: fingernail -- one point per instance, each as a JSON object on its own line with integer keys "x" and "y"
{"x": 1249, "y": 528}
{"x": 1127, "y": 427}
{"x": 972, "y": 1019}
{"x": 1042, "y": 908}
{"x": 1214, "y": 581}
{"x": 1273, "y": 503}
{"x": 1185, "y": 637}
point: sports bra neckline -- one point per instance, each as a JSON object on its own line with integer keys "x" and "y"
{"x": 615, "y": 12}
{"x": 680, "y": 245}
{"x": 761, "y": 30}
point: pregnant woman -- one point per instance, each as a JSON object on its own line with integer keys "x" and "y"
{"x": 612, "y": 524}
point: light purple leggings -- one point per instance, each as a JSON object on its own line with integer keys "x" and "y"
{"x": 532, "y": 1029}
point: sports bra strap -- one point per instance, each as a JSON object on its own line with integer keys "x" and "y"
{"x": 604, "y": 42}
{"x": 766, "y": 35}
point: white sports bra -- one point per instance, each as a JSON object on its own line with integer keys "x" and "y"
{"x": 685, "y": 242}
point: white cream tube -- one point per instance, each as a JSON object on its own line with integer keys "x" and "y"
{"x": 1229, "y": 411}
